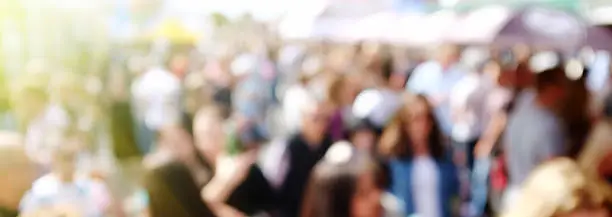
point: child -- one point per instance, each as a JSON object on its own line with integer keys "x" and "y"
{"x": 64, "y": 191}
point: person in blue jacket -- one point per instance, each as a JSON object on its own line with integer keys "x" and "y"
{"x": 423, "y": 174}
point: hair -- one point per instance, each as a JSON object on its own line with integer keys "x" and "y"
{"x": 173, "y": 192}
{"x": 547, "y": 78}
{"x": 333, "y": 185}
{"x": 607, "y": 106}
{"x": 335, "y": 88}
{"x": 396, "y": 143}
{"x": 576, "y": 115}
{"x": 388, "y": 67}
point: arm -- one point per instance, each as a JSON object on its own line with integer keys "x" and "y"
{"x": 459, "y": 98}
{"x": 492, "y": 133}
{"x": 216, "y": 193}
{"x": 230, "y": 173}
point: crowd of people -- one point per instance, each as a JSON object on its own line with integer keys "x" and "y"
{"x": 313, "y": 131}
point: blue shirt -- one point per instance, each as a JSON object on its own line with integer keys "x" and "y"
{"x": 431, "y": 79}
{"x": 401, "y": 184}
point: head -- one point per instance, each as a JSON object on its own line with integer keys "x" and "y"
{"x": 363, "y": 136}
{"x": 491, "y": 69}
{"x": 208, "y": 131}
{"x": 342, "y": 91}
{"x": 413, "y": 131}
{"x": 64, "y": 160}
{"x": 176, "y": 140}
{"x": 343, "y": 184}
{"x": 179, "y": 65}
{"x": 315, "y": 120}
{"x": 551, "y": 86}
{"x": 448, "y": 55}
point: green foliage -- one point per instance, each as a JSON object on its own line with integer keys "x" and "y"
{"x": 220, "y": 20}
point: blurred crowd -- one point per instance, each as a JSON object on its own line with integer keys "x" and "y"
{"x": 311, "y": 130}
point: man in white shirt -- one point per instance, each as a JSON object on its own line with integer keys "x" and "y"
{"x": 435, "y": 79}
{"x": 378, "y": 105}
{"x": 156, "y": 94}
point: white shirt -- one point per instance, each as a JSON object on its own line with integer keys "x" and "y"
{"x": 295, "y": 98}
{"x": 432, "y": 80}
{"x": 89, "y": 197}
{"x": 468, "y": 104}
{"x": 44, "y": 134}
{"x": 274, "y": 162}
{"x": 378, "y": 105}
{"x": 157, "y": 95}
{"x": 425, "y": 187}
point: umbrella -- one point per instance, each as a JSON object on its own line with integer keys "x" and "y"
{"x": 174, "y": 31}
{"x": 373, "y": 27}
{"x": 599, "y": 38}
{"x": 417, "y": 30}
{"x": 535, "y": 26}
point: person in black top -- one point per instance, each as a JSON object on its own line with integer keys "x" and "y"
{"x": 173, "y": 192}
{"x": 215, "y": 184}
{"x": 301, "y": 152}
{"x": 237, "y": 186}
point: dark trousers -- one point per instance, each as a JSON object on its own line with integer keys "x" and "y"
{"x": 468, "y": 149}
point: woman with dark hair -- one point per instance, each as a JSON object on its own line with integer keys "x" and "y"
{"x": 344, "y": 184}
{"x": 576, "y": 114}
{"x": 341, "y": 93}
{"x": 173, "y": 192}
{"x": 423, "y": 175}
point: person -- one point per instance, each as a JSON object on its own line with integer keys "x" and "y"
{"x": 363, "y": 136}
{"x": 502, "y": 101}
{"x": 423, "y": 175}
{"x": 21, "y": 170}
{"x": 576, "y": 114}
{"x": 219, "y": 81}
{"x": 287, "y": 162}
{"x": 468, "y": 109}
{"x": 44, "y": 123}
{"x": 237, "y": 186}
{"x": 535, "y": 133}
{"x": 341, "y": 94}
{"x": 435, "y": 79}
{"x": 173, "y": 180}
{"x": 378, "y": 104}
{"x": 295, "y": 95}
{"x": 66, "y": 188}
{"x": 476, "y": 100}
{"x": 550, "y": 190}
{"x": 343, "y": 184}
{"x": 172, "y": 191}
{"x": 157, "y": 95}
{"x": 468, "y": 113}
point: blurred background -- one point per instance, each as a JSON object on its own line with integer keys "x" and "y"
{"x": 120, "y": 92}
